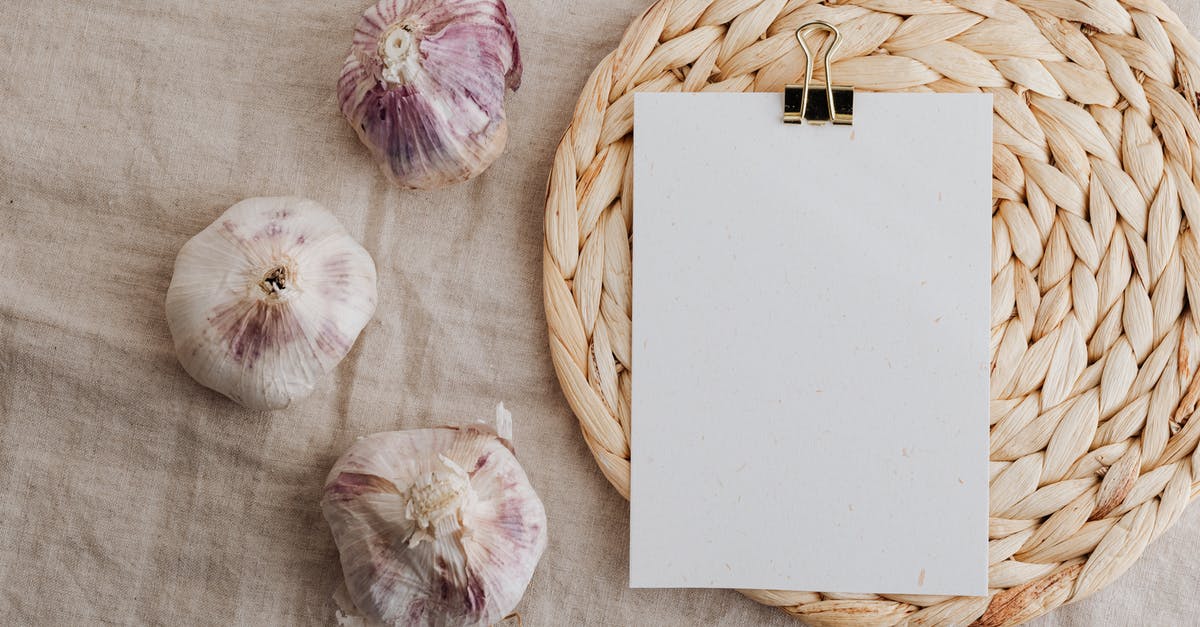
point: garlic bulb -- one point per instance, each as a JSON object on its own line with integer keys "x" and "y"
{"x": 434, "y": 526}
{"x": 267, "y": 299}
{"x": 424, "y": 87}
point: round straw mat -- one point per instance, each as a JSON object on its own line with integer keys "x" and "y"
{"x": 1094, "y": 344}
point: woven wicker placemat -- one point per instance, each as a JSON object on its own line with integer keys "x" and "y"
{"x": 1095, "y": 344}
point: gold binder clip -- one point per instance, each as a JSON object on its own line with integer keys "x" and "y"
{"x": 833, "y": 103}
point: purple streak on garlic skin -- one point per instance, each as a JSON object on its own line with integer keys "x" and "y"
{"x": 351, "y": 484}
{"x": 424, "y": 87}
{"x": 249, "y": 329}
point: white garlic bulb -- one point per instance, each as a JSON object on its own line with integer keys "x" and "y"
{"x": 267, "y": 299}
{"x": 424, "y": 87}
{"x": 434, "y": 526}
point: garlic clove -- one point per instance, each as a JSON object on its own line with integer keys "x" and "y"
{"x": 424, "y": 87}
{"x": 268, "y": 298}
{"x": 434, "y": 526}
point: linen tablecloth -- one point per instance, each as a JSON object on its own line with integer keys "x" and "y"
{"x": 132, "y": 495}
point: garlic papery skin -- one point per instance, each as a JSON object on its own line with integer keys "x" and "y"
{"x": 424, "y": 87}
{"x": 434, "y": 526}
{"x": 267, "y": 299}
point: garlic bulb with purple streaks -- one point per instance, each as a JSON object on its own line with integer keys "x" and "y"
{"x": 435, "y": 526}
{"x": 424, "y": 87}
{"x": 267, "y": 299}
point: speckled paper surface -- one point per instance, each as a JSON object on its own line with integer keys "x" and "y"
{"x": 810, "y": 324}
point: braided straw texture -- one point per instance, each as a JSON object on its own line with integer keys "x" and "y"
{"x": 1094, "y": 346}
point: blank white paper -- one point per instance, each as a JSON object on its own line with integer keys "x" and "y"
{"x": 810, "y": 334}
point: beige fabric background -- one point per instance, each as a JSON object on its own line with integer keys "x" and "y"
{"x": 130, "y": 494}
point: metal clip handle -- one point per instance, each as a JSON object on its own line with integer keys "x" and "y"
{"x": 839, "y": 99}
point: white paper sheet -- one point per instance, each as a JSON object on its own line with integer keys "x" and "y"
{"x": 810, "y": 328}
